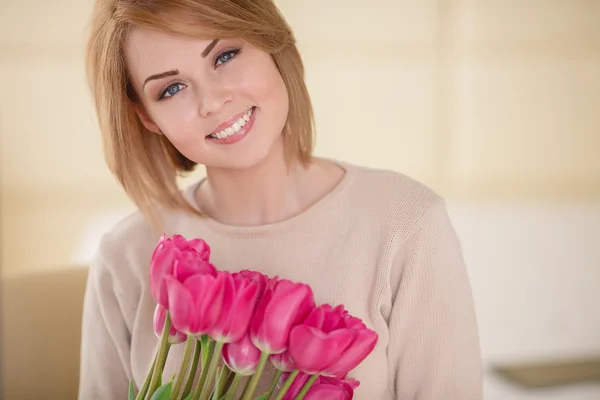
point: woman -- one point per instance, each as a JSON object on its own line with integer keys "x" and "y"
{"x": 220, "y": 83}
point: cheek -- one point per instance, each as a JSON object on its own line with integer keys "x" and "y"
{"x": 178, "y": 121}
{"x": 263, "y": 83}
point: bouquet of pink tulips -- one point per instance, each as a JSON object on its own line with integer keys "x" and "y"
{"x": 232, "y": 324}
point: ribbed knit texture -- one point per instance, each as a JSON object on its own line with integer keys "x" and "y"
{"x": 380, "y": 243}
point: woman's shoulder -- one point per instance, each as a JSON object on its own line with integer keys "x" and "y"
{"x": 393, "y": 197}
{"x": 125, "y": 250}
{"x": 127, "y": 235}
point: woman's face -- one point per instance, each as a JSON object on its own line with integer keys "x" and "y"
{"x": 221, "y": 103}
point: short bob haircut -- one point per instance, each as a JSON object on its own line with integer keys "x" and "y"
{"x": 147, "y": 164}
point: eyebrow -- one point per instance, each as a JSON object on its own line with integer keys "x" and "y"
{"x": 173, "y": 72}
{"x": 161, "y": 75}
{"x": 209, "y": 48}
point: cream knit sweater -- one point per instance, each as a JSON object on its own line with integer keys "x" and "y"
{"x": 380, "y": 243}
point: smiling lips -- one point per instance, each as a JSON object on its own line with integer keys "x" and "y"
{"x": 231, "y": 132}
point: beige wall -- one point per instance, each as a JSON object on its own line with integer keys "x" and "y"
{"x": 483, "y": 100}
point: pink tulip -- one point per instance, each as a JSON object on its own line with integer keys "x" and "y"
{"x": 323, "y": 388}
{"x": 282, "y": 361}
{"x": 363, "y": 344}
{"x": 197, "y": 303}
{"x": 239, "y": 300}
{"x": 242, "y": 356}
{"x": 332, "y": 389}
{"x": 260, "y": 279}
{"x": 175, "y": 337}
{"x": 177, "y": 257}
{"x": 320, "y": 340}
{"x": 284, "y": 305}
{"x": 325, "y": 391}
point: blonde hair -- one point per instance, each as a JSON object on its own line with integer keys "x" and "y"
{"x": 146, "y": 164}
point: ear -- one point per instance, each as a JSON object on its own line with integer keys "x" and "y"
{"x": 146, "y": 120}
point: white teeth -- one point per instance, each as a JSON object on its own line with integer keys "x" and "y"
{"x": 235, "y": 128}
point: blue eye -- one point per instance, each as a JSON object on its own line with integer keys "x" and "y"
{"x": 225, "y": 57}
{"x": 172, "y": 90}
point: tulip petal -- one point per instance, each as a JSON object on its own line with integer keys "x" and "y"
{"x": 282, "y": 361}
{"x": 162, "y": 265}
{"x": 200, "y": 247}
{"x": 190, "y": 264}
{"x": 242, "y": 310}
{"x": 283, "y": 312}
{"x": 325, "y": 391}
{"x": 355, "y": 353}
{"x": 316, "y": 318}
{"x": 207, "y": 292}
{"x": 312, "y": 350}
{"x": 181, "y": 303}
{"x": 242, "y": 356}
{"x": 224, "y": 320}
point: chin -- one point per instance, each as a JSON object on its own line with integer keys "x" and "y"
{"x": 250, "y": 157}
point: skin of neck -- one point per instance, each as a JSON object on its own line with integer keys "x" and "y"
{"x": 270, "y": 191}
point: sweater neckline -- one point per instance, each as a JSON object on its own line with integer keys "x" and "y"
{"x": 304, "y": 217}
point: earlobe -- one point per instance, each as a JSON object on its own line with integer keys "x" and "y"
{"x": 147, "y": 121}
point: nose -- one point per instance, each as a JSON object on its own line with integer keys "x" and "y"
{"x": 213, "y": 96}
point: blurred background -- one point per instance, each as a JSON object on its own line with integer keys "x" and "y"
{"x": 493, "y": 103}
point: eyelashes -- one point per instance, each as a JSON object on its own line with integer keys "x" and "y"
{"x": 220, "y": 60}
{"x": 226, "y": 56}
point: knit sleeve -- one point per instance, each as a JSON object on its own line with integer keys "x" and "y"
{"x": 434, "y": 348}
{"x": 104, "y": 366}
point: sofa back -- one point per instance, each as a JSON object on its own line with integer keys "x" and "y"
{"x": 41, "y": 333}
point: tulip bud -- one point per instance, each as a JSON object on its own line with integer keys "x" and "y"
{"x": 175, "y": 337}
{"x": 196, "y": 304}
{"x": 282, "y": 361}
{"x": 284, "y": 305}
{"x": 242, "y": 356}
{"x": 239, "y": 300}
{"x": 179, "y": 258}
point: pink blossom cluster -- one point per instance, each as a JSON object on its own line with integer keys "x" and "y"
{"x": 248, "y": 319}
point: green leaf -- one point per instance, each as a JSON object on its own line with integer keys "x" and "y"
{"x": 163, "y": 392}
{"x": 189, "y": 396}
{"x": 131, "y": 390}
{"x": 263, "y": 397}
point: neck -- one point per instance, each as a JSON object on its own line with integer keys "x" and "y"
{"x": 270, "y": 191}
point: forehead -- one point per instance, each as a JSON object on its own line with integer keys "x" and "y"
{"x": 149, "y": 51}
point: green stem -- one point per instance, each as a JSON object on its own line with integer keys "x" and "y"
{"x": 287, "y": 384}
{"x": 142, "y": 394}
{"x": 230, "y": 376}
{"x": 211, "y": 370}
{"x": 184, "y": 365}
{"x": 256, "y": 377}
{"x": 234, "y": 387}
{"x": 306, "y": 387}
{"x": 206, "y": 359}
{"x": 162, "y": 356}
{"x": 208, "y": 345}
{"x": 246, "y": 387}
{"x": 222, "y": 379}
{"x": 192, "y": 373}
{"x": 273, "y": 384}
